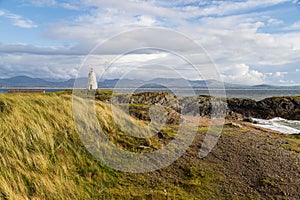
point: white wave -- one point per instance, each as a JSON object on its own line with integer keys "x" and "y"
{"x": 282, "y": 119}
{"x": 279, "y": 124}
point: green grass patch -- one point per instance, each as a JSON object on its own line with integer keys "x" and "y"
{"x": 292, "y": 142}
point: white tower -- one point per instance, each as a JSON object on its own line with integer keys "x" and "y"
{"x": 92, "y": 81}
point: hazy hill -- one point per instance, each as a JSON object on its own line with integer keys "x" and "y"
{"x": 25, "y": 81}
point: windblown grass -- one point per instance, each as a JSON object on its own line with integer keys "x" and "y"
{"x": 42, "y": 157}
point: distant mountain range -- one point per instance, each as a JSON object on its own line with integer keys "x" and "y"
{"x": 25, "y": 81}
{"x": 162, "y": 83}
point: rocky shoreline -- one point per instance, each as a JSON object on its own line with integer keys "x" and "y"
{"x": 284, "y": 107}
{"x": 232, "y": 108}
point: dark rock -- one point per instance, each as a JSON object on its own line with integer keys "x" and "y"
{"x": 285, "y": 107}
{"x": 160, "y": 135}
{"x": 208, "y": 106}
{"x": 248, "y": 119}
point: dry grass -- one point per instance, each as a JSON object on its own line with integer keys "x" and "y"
{"x": 42, "y": 156}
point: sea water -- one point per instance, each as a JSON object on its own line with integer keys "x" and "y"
{"x": 255, "y": 94}
{"x": 279, "y": 124}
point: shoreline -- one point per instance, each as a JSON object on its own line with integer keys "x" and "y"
{"x": 254, "y": 94}
{"x": 268, "y": 113}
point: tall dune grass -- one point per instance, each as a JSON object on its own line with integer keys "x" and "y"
{"x": 41, "y": 155}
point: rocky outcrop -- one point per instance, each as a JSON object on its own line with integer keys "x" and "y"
{"x": 174, "y": 106}
{"x": 142, "y": 112}
{"x": 208, "y": 106}
{"x": 141, "y": 103}
{"x": 147, "y": 98}
{"x": 285, "y": 107}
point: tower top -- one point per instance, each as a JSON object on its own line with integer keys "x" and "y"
{"x": 91, "y": 71}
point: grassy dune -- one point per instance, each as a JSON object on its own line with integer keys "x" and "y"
{"x": 42, "y": 157}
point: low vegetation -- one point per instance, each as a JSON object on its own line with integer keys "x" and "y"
{"x": 42, "y": 157}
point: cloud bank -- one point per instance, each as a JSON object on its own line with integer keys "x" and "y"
{"x": 247, "y": 40}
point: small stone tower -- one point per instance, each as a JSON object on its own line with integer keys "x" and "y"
{"x": 92, "y": 81}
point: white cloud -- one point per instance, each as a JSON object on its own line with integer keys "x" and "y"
{"x": 69, "y": 6}
{"x": 273, "y": 21}
{"x": 24, "y": 23}
{"x": 296, "y": 1}
{"x": 280, "y": 74}
{"x": 237, "y": 39}
{"x": 230, "y": 39}
{"x": 49, "y": 66}
{"x": 286, "y": 82}
{"x": 35, "y": 50}
{"x": 112, "y": 17}
{"x": 294, "y": 26}
{"x": 242, "y": 74}
{"x": 291, "y": 40}
{"x": 145, "y": 21}
{"x": 222, "y": 8}
{"x": 18, "y": 20}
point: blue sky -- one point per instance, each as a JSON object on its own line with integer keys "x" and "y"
{"x": 250, "y": 41}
